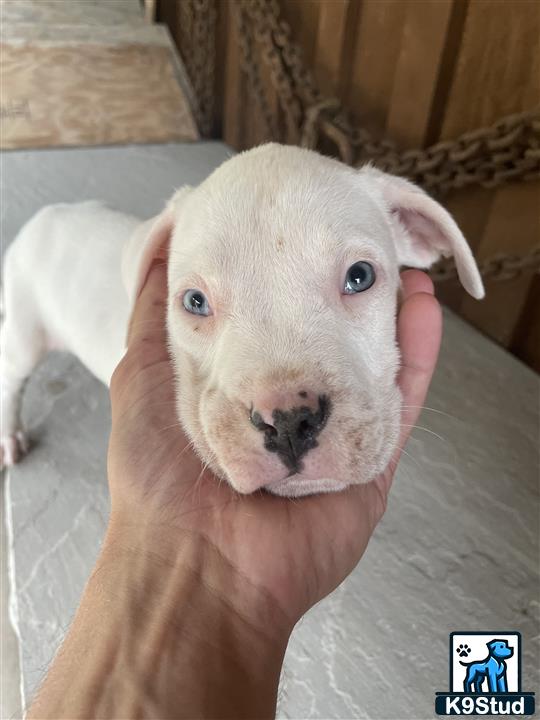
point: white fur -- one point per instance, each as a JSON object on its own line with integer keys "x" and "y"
{"x": 268, "y": 237}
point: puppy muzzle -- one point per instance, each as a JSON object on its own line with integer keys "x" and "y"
{"x": 293, "y": 432}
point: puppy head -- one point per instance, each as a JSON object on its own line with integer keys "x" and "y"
{"x": 283, "y": 276}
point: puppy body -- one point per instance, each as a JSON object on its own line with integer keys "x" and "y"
{"x": 288, "y": 382}
{"x": 63, "y": 289}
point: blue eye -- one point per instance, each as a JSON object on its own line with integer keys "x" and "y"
{"x": 195, "y": 302}
{"x": 360, "y": 277}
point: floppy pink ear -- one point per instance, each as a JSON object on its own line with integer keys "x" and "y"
{"x": 424, "y": 231}
{"x": 149, "y": 241}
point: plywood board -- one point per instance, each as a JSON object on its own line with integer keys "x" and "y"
{"x": 76, "y": 85}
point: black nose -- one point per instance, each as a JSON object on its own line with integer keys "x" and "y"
{"x": 293, "y": 432}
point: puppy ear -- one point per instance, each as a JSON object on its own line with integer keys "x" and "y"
{"x": 424, "y": 231}
{"x": 150, "y": 241}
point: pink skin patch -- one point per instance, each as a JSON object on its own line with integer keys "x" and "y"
{"x": 12, "y": 448}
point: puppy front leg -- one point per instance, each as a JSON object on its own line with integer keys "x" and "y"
{"x": 13, "y": 441}
{"x": 21, "y": 348}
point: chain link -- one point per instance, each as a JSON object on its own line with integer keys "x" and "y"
{"x": 251, "y": 67}
{"x": 197, "y": 34}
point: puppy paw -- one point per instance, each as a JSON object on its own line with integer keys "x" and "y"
{"x": 12, "y": 448}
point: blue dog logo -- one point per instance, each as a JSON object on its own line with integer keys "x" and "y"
{"x": 491, "y": 686}
{"x": 492, "y": 669}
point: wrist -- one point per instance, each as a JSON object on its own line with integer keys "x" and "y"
{"x": 191, "y": 611}
{"x": 169, "y": 560}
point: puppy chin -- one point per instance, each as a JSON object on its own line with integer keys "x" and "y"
{"x": 252, "y": 473}
{"x": 329, "y": 480}
{"x": 298, "y": 486}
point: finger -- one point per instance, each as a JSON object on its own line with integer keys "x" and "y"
{"x": 419, "y": 337}
{"x": 415, "y": 281}
{"x": 147, "y": 323}
{"x": 146, "y": 342}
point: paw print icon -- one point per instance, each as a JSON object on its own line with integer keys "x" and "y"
{"x": 463, "y": 650}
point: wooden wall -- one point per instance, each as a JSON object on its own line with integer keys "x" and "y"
{"x": 419, "y": 71}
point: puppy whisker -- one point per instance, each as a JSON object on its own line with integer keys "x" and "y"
{"x": 408, "y": 454}
{"x": 425, "y": 407}
{"x": 170, "y": 427}
{"x": 431, "y": 432}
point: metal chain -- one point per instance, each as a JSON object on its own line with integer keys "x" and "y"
{"x": 248, "y": 10}
{"x": 265, "y": 15}
{"x": 509, "y": 149}
{"x": 197, "y": 35}
{"x": 251, "y": 67}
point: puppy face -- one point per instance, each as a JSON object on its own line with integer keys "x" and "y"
{"x": 283, "y": 279}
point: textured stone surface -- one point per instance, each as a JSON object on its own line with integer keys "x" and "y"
{"x": 457, "y": 549}
{"x": 10, "y": 701}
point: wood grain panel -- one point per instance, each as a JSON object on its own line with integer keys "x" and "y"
{"x": 374, "y": 60}
{"x": 234, "y": 97}
{"x": 498, "y": 71}
{"x": 419, "y": 63}
{"x": 329, "y": 46}
{"x": 452, "y": 49}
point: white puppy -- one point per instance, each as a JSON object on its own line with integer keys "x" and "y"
{"x": 282, "y": 291}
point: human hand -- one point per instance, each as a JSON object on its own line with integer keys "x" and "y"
{"x": 291, "y": 552}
